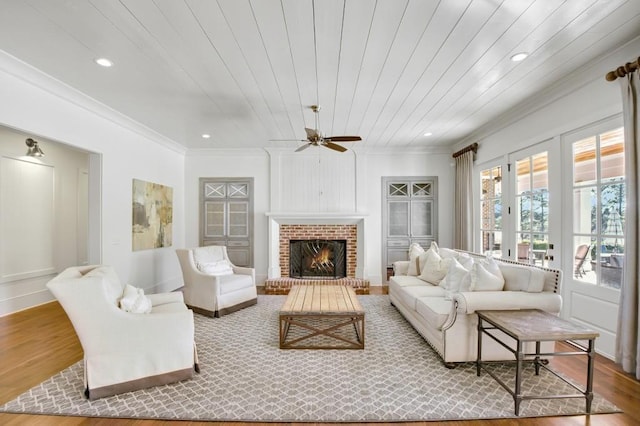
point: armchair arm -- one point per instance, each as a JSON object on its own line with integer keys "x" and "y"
{"x": 471, "y": 301}
{"x": 164, "y": 298}
{"x": 240, "y": 270}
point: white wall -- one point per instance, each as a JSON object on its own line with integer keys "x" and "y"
{"x": 66, "y": 163}
{"x": 273, "y": 193}
{"x": 42, "y": 107}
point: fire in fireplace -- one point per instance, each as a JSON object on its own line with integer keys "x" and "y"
{"x": 317, "y": 258}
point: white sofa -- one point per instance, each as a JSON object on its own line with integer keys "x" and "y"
{"x": 446, "y": 317}
{"x": 213, "y": 285}
{"x": 148, "y": 343}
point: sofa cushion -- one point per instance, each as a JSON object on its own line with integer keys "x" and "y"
{"x": 112, "y": 285}
{"x": 522, "y": 278}
{"x": 168, "y": 308}
{"x": 409, "y": 295}
{"x": 406, "y": 281}
{"x": 415, "y": 250}
{"x": 435, "y": 267}
{"x": 231, "y": 283}
{"x": 434, "y": 310}
{"x": 486, "y": 276}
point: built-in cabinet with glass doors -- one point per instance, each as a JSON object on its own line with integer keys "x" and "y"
{"x": 226, "y": 212}
{"x": 408, "y": 216}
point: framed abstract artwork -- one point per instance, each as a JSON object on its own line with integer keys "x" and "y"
{"x": 152, "y": 215}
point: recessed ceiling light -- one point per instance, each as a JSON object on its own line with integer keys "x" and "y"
{"x": 206, "y": 136}
{"x": 428, "y": 134}
{"x": 104, "y": 62}
{"x": 519, "y": 56}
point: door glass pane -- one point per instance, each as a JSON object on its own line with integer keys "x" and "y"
{"x": 238, "y": 190}
{"x": 491, "y": 211}
{"x": 215, "y": 190}
{"x": 398, "y": 219}
{"x": 421, "y": 222}
{"x": 398, "y": 189}
{"x": 421, "y": 189}
{"x": 599, "y": 208}
{"x": 214, "y": 219}
{"x": 238, "y": 219}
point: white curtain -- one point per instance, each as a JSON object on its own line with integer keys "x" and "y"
{"x": 628, "y": 338}
{"x": 463, "y": 202}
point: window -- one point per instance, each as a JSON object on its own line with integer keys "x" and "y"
{"x": 599, "y": 208}
{"x": 491, "y": 208}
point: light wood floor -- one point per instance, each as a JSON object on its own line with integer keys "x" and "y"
{"x": 39, "y": 342}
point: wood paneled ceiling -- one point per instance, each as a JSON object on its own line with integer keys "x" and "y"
{"x": 246, "y": 71}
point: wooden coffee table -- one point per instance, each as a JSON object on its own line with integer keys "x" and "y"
{"x": 321, "y": 317}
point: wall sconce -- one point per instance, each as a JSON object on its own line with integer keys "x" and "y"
{"x": 34, "y": 150}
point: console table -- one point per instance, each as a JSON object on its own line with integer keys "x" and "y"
{"x": 534, "y": 325}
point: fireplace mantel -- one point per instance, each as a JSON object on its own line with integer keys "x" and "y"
{"x": 295, "y": 218}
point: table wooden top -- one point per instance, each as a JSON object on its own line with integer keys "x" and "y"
{"x": 321, "y": 299}
{"x": 535, "y": 325}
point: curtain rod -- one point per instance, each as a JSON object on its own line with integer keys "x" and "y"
{"x": 621, "y": 71}
{"x": 473, "y": 147}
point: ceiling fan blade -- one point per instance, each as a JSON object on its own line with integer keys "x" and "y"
{"x": 311, "y": 133}
{"x": 288, "y": 140}
{"x": 334, "y": 146}
{"x": 344, "y": 138}
{"x": 303, "y": 147}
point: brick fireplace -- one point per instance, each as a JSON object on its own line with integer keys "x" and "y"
{"x": 285, "y": 227}
{"x": 318, "y": 232}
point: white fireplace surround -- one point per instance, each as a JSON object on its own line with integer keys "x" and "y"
{"x": 277, "y": 219}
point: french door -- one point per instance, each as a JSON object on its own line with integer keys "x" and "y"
{"x": 594, "y": 199}
{"x": 519, "y": 216}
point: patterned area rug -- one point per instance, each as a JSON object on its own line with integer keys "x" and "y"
{"x": 246, "y": 377}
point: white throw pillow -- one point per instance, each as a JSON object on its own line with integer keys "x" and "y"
{"x": 220, "y": 267}
{"x": 435, "y": 267}
{"x": 486, "y": 276}
{"x": 522, "y": 278}
{"x": 458, "y": 278}
{"x": 133, "y": 300}
{"x": 415, "y": 250}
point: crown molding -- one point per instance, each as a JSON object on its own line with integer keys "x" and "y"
{"x": 33, "y": 76}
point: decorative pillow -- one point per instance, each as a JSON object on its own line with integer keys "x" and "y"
{"x": 133, "y": 300}
{"x": 220, "y": 267}
{"x": 458, "y": 278}
{"x": 207, "y": 254}
{"x": 446, "y": 253}
{"x": 435, "y": 267}
{"x": 415, "y": 250}
{"x": 486, "y": 276}
{"x": 522, "y": 278}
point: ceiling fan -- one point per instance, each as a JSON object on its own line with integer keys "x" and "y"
{"x": 315, "y": 138}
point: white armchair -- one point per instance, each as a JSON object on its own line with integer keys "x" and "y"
{"x": 125, "y": 351}
{"x": 213, "y": 285}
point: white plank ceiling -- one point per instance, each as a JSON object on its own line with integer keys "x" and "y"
{"x": 246, "y": 71}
